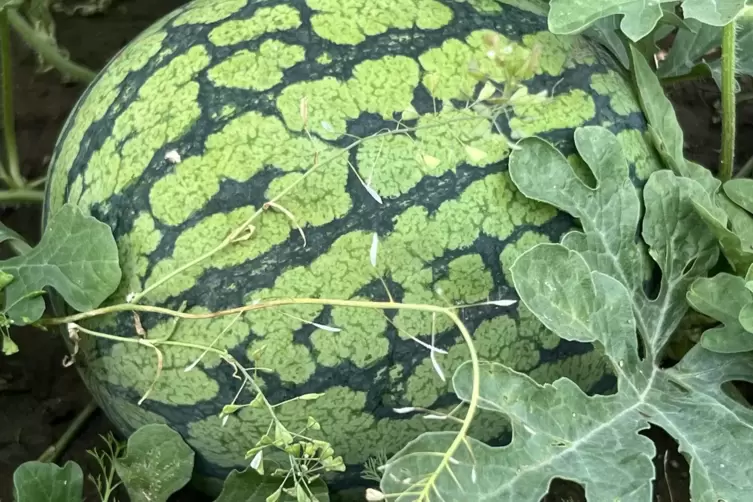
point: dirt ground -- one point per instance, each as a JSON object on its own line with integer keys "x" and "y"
{"x": 38, "y": 397}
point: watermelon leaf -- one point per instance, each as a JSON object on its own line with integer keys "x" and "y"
{"x": 77, "y": 256}
{"x": 591, "y": 288}
{"x": 250, "y": 486}
{"x": 46, "y": 482}
{"x": 157, "y": 463}
{"x": 639, "y": 17}
{"x": 723, "y": 297}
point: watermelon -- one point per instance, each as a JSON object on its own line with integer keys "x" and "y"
{"x": 362, "y": 120}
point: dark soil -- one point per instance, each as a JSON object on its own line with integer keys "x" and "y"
{"x": 39, "y": 397}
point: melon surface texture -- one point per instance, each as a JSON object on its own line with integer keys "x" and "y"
{"x": 197, "y": 123}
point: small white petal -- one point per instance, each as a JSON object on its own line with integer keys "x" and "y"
{"x": 473, "y": 474}
{"x": 434, "y": 362}
{"x": 373, "y": 495}
{"x": 435, "y": 417}
{"x": 407, "y": 409}
{"x": 373, "y": 193}
{"x": 225, "y": 419}
{"x": 327, "y": 126}
{"x": 326, "y": 328}
{"x": 256, "y": 461}
{"x": 374, "y": 247}
{"x": 172, "y": 156}
{"x": 501, "y": 303}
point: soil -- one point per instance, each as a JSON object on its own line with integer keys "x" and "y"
{"x": 39, "y": 397}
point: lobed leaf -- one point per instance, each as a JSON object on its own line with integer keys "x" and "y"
{"x": 609, "y": 214}
{"x": 692, "y": 42}
{"x": 77, "y": 256}
{"x": 639, "y": 17}
{"x": 250, "y": 486}
{"x": 46, "y": 482}
{"x": 593, "y": 288}
{"x": 157, "y": 464}
{"x": 723, "y": 298}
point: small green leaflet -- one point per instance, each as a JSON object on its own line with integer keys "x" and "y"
{"x": 664, "y": 129}
{"x": 157, "y": 464}
{"x": 77, "y": 256}
{"x": 17, "y": 242}
{"x": 724, "y": 297}
{"x": 250, "y": 486}
{"x": 695, "y": 40}
{"x": 640, "y": 17}
{"x": 46, "y": 482}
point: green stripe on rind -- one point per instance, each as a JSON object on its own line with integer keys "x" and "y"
{"x": 448, "y": 233}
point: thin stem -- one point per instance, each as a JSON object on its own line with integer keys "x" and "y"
{"x": 21, "y": 195}
{"x": 473, "y": 402}
{"x": 729, "y": 47}
{"x": 49, "y": 52}
{"x": 747, "y": 168}
{"x": 54, "y": 450}
{"x": 9, "y": 126}
{"x": 132, "y": 307}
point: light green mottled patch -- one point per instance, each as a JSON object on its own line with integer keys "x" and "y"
{"x": 515, "y": 343}
{"x": 383, "y": 86}
{"x": 491, "y": 6}
{"x": 271, "y": 229}
{"x": 329, "y": 106}
{"x": 133, "y": 251}
{"x": 514, "y": 249}
{"x": 317, "y": 199}
{"x": 265, "y": 20}
{"x": 361, "y": 340}
{"x": 164, "y": 110}
{"x": 209, "y": 11}
{"x": 621, "y": 95}
{"x": 245, "y": 146}
{"x": 392, "y": 165}
{"x": 447, "y": 68}
{"x": 553, "y": 51}
{"x": 100, "y": 97}
{"x": 638, "y": 152}
{"x": 324, "y": 58}
{"x": 466, "y": 280}
{"x": 134, "y": 366}
{"x": 562, "y": 111}
{"x": 258, "y": 70}
{"x": 349, "y": 22}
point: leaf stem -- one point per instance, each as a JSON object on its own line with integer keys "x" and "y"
{"x": 9, "y": 127}
{"x": 21, "y": 195}
{"x": 729, "y": 120}
{"x": 48, "y": 51}
{"x": 54, "y": 450}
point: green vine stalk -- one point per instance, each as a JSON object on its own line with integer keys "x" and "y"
{"x": 12, "y": 176}
{"x": 48, "y": 51}
{"x": 729, "y": 48}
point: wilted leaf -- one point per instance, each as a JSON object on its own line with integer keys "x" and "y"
{"x": 77, "y": 256}
{"x": 250, "y": 486}
{"x": 723, "y": 297}
{"x": 157, "y": 464}
{"x": 46, "y": 482}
